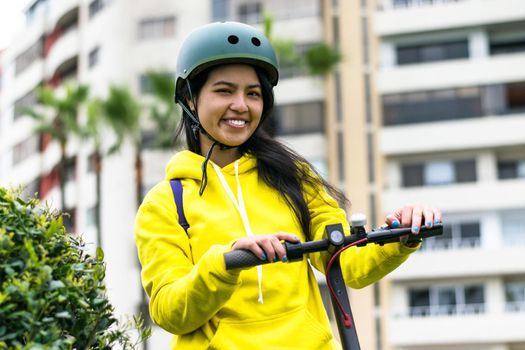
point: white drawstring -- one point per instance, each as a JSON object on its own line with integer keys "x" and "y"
{"x": 239, "y": 204}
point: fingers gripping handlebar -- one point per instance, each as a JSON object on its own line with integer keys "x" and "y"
{"x": 295, "y": 251}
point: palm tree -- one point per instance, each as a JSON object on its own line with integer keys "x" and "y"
{"x": 121, "y": 112}
{"x": 319, "y": 59}
{"x": 57, "y": 116}
{"x": 163, "y": 112}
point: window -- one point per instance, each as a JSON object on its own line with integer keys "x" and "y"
{"x": 432, "y": 52}
{"x": 29, "y": 100}
{"x": 153, "y": 28}
{"x": 507, "y": 41}
{"x": 25, "y": 149}
{"x": 515, "y": 296}
{"x": 38, "y": 7}
{"x": 26, "y": 58}
{"x": 93, "y": 57}
{"x": 91, "y": 216}
{"x": 70, "y": 168}
{"x": 96, "y": 6}
{"x": 515, "y": 97}
{"x": 429, "y": 106}
{"x": 446, "y": 300}
{"x": 513, "y": 228}
{"x": 299, "y": 118}
{"x": 220, "y": 10}
{"x": 419, "y": 302}
{"x": 511, "y": 169}
{"x": 438, "y": 173}
{"x": 250, "y": 12}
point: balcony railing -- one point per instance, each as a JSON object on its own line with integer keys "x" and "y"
{"x": 514, "y": 240}
{"x": 515, "y": 306}
{"x": 451, "y": 244}
{"x": 402, "y": 4}
{"x": 446, "y": 310}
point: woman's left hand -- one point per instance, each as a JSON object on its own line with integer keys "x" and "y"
{"x": 414, "y": 216}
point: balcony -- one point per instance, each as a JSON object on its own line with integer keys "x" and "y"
{"x": 479, "y": 196}
{"x": 466, "y": 324}
{"x": 65, "y": 48}
{"x": 444, "y": 15}
{"x": 452, "y": 73}
{"x": 58, "y": 9}
{"x": 453, "y": 135}
{"x": 466, "y": 261}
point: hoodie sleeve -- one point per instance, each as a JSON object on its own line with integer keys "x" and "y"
{"x": 183, "y": 295}
{"x": 361, "y": 266}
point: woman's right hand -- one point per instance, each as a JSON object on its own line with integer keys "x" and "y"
{"x": 267, "y": 246}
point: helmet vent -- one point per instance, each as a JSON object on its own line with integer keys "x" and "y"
{"x": 256, "y": 41}
{"x": 233, "y": 39}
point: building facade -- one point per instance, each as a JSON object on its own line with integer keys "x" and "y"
{"x": 452, "y": 86}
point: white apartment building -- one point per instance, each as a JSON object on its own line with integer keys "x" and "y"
{"x": 452, "y": 86}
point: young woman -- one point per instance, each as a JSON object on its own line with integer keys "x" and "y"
{"x": 244, "y": 190}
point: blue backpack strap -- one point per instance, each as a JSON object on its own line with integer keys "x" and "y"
{"x": 176, "y": 187}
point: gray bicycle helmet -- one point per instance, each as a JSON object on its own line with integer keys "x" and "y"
{"x": 224, "y": 42}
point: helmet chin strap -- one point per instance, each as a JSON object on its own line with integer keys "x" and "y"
{"x": 197, "y": 126}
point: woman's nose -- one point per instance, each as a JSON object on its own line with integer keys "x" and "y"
{"x": 238, "y": 103}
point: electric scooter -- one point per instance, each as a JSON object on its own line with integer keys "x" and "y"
{"x": 335, "y": 243}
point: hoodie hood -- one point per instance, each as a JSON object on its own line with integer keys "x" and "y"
{"x": 187, "y": 165}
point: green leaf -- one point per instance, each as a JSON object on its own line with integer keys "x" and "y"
{"x": 63, "y": 314}
{"x": 56, "y": 285}
{"x": 100, "y": 254}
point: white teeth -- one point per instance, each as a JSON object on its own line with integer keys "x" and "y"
{"x": 236, "y": 122}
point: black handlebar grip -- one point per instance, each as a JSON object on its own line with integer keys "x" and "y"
{"x": 242, "y": 258}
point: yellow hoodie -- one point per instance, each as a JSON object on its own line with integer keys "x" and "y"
{"x": 193, "y": 296}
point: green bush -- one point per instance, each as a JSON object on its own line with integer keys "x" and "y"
{"x": 52, "y": 293}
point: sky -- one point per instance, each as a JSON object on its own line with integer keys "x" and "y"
{"x": 11, "y": 19}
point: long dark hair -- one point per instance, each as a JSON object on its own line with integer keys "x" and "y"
{"x": 290, "y": 180}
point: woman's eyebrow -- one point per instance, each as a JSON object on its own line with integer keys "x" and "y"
{"x": 229, "y": 83}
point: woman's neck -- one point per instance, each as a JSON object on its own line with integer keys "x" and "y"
{"x": 222, "y": 157}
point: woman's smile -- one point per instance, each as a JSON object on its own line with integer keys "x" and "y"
{"x": 235, "y": 123}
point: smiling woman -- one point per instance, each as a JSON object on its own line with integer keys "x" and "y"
{"x": 257, "y": 194}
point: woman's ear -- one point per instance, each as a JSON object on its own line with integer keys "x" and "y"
{"x": 190, "y": 104}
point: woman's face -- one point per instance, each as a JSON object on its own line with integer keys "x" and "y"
{"x": 230, "y": 105}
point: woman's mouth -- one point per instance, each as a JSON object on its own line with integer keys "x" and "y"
{"x": 236, "y": 123}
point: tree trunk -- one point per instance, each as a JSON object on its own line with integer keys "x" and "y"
{"x": 143, "y": 307}
{"x": 62, "y": 176}
{"x": 138, "y": 174}
{"x": 98, "y": 181}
